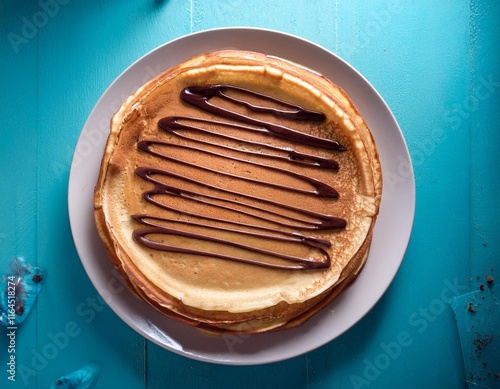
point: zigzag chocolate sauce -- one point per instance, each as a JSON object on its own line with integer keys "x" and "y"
{"x": 226, "y": 199}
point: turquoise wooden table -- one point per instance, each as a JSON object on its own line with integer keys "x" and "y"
{"x": 436, "y": 64}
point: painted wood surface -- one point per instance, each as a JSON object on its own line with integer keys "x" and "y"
{"x": 435, "y": 63}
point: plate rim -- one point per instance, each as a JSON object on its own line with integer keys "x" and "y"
{"x": 410, "y": 188}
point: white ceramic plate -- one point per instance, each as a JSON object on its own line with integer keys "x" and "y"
{"x": 391, "y": 235}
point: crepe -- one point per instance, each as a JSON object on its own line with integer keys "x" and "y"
{"x": 238, "y": 192}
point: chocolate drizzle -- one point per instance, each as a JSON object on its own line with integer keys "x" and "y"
{"x": 320, "y": 189}
{"x": 172, "y": 124}
{"x": 199, "y": 96}
{"x": 265, "y": 217}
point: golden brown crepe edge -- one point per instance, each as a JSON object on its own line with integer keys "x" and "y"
{"x": 133, "y": 278}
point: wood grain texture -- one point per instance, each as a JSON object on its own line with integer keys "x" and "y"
{"x": 435, "y": 63}
{"x": 18, "y": 163}
{"x": 481, "y": 104}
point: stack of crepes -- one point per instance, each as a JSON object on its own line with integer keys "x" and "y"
{"x": 238, "y": 192}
